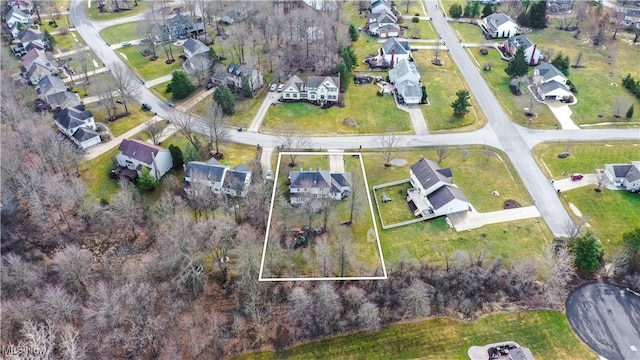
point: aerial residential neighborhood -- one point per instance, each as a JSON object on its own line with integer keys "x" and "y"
{"x": 320, "y": 179}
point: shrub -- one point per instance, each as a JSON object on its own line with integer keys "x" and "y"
{"x": 415, "y": 19}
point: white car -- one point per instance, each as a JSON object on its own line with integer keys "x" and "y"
{"x": 273, "y": 87}
{"x": 268, "y": 175}
{"x": 280, "y": 87}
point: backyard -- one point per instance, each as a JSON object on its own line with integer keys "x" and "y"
{"x": 364, "y": 113}
{"x": 149, "y": 70}
{"x": 543, "y": 332}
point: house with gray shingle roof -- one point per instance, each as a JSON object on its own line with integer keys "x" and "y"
{"x": 317, "y": 88}
{"x": 625, "y": 176}
{"x": 193, "y": 47}
{"x": 78, "y": 124}
{"x": 546, "y": 72}
{"x": 236, "y": 73}
{"x": 406, "y": 78}
{"x": 85, "y": 137}
{"x": 500, "y": 25}
{"x": 531, "y": 51}
{"x": 550, "y": 83}
{"x": 221, "y": 179}
{"x": 433, "y": 194}
{"x": 312, "y": 184}
{"x": 383, "y": 24}
{"x": 394, "y": 50}
{"x": 15, "y": 15}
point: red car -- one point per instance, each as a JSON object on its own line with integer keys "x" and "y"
{"x": 576, "y": 177}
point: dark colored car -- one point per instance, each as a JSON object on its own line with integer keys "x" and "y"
{"x": 563, "y": 155}
{"x": 146, "y": 107}
{"x": 576, "y": 177}
{"x": 209, "y": 86}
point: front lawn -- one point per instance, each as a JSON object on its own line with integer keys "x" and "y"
{"x": 123, "y": 32}
{"x": 124, "y": 124}
{"x": 95, "y": 14}
{"x": 421, "y": 30}
{"x": 442, "y": 82}
{"x": 160, "y": 91}
{"x": 246, "y": 109}
{"x": 372, "y": 113}
{"x": 69, "y": 41}
{"x": 469, "y": 33}
{"x": 149, "y": 70}
{"x": 546, "y": 333}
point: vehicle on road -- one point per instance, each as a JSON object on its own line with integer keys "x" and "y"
{"x": 146, "y": 107}
{"x": 576, "y": 177}
{"x": 280, "y": 87}
{"x": 563, "y": 155}
{"x": 108, "y": 44}
{"x": 170, "y": 104}
{"x": 273, "y": 87}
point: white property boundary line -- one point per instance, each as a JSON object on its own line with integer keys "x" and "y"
{"x": 373, "y": 219}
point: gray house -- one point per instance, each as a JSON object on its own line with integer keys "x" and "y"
{"x": 221, "y": 179}
{"x": 318, "y": 184}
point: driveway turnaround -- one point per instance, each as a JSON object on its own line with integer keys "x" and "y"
{"x": 607, "y": 318}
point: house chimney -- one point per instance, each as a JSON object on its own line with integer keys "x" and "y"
{"x": 393, "y": 54}
{"x": 533, "y": 54}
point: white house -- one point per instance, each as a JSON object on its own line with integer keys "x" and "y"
{"x": 23, "y": 6}
{"x": 193, "y": 47}
{"x": 546, "y": 72}
{"x": 406, "y": 78}
{"x": 316, "y": 88}
{"x": 78, "y": 124}
{"x": 52, "y": 90}
{"x": 553, "y": 91}
{"x": 381, "y": 5}
{"x": 550, "y": 83}
{"x": 433, "y": 194}
{"x": 318, "y": 184}
{"x": 500, "y": 25}
{"x": 237, "y": 72}
{"x": 380, "y": 20}
{"x": 15, "y": 15}
{"x": 624, "y": 175}
{"x": 219, "y": 178}
{"x": 531, "y": 51}
{"x": 136, "y": 154}
{"x": 394, "y": 50}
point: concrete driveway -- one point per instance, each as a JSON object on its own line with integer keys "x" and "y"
{"x": 568, "y": 184}
{"x": 563, "y": 113}
{"x": 270, "y": 99}
{"x": 607, "y": 318}
{"x": 468, "y": 220}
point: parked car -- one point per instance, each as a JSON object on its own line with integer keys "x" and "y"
{"x": 280, "y": 87}
{"x": 576, "y": 177}
{"x": 273, "y": 87}
{"x": 146, "y": 107}
{"x": 563, "y": 155}
{"x": 125, "y": 44}
{"x": 210, "y": 86}
{"x": 170, "y": 104}
{"x": 268, "y": 175}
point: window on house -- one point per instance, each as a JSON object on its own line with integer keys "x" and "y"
{"x": 321, "y": 97}
{"x": 332, "y": 97}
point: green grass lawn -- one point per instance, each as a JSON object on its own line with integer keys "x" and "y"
{"x": 396, "y": 210}
{"x": 95, "y": 174}
{"x": 234, "y": 154}
{"x": 123, "y": 32}
{"x": 546, "y": 333}
{"x": 124, "y": 124}
{"x": 246, "y": 109}
{"x": 149, "y": 70}
{"x": 160, "y": 91}
{"x": 610, "y": 213}
{"x": 422, "y": 29}
{"x": 69, "y": 41}
{"x": 415, "y": 7}
{"x": 95, "y": 14}
{"x": 442, "y": 82}
{"x": 373, "y": 114}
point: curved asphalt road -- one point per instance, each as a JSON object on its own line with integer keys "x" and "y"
{"x": 501, "y": 133}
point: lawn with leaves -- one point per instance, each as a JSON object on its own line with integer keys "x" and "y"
{"x": 123, "y": 32}
{"x": 124, "y": 124}
{"x": 146, "y": 69}
{"x": 95, "y": 14}
{"x": 68, "y": 42}
{"x": 246, "y": 109}
{"x": 442, "y": 82}
{"x": 546, "y": 333}
{"x": 373, "y": 114}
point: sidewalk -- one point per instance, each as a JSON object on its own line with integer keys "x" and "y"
{"x": 90, "y": 73}
{"x": 157, "y": 81}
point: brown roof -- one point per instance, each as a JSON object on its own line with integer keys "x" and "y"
{"x": 139, "y": 150}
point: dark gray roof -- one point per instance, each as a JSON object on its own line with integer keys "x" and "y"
{"x": 212, "y": 172}
{"x": 316, "y": 81}
{"x": 242, "y": 167}
{"x": 139, "y": 150}
{"x": 72, "y": 117}
{"x": 496, "y": 19}
{"x": 426, "y": 171}
{"x": 552, "y": 85}
{"x": 238, "y": 69}
{"x": 296, "y": 82}
{"x": 15, "y": 10}
{"x": 411, "y": 89}
{"x": 63, "y": 99}
{"x": 403, "y": 67}
{"x": 34, "y": 45}
{"x": 389, "y": 27}
{"x": 445, "y": 195}
{"x": 548, "y": 70}
{"x": 83, "y": 134}
{"x": 621, "y": 170}
{"x": 30, "y": 35}
{"x": 521, "y": 40}
{"x": 387, "y": 3}
{"x": 633, "y": 174}
{"x": 309, "y": 179}
{"x": 50, "y": 83}
{"x": 342, "y": 179}
{"x": 393, "y": 45}
{"x": 234, "y": 179}
{"x": 194, "y": 45}
{"x": 629, "y": 172}
{"x": 384, "y": 16}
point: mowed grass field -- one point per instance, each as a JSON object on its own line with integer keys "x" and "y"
{"x": 373, "y": 114}
{"x": 123, "y": 32}
{"x": 546, "y": 333}
{"x": 95, "y": 14}
{"x": 610, "y": 213}
{"x": 149, "y": 70}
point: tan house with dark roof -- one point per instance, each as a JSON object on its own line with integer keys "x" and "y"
{"x": 136, "y": 154}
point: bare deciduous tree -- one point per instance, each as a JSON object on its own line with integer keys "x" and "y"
{"x": 125, "y": 205}
{"x": 216, "y": 131}
{"x": 443, "y": 151}
{"x": 368, "y": 317}
{"x": 388, "y": 145}
{"x": 19, "y": 278}
{"x": 327, "y": 310}
{"x": 300, "y": 305}
{"x": 292, "y": 140}
{"x": 126, "y": 84}
{"x": 70, "y": 343}
{"x": 324, "y": 259}
{"x": 74, "y": 266}
{"x": 416, "y": 300}
{"x": 186, "y": 125}
{"x": 154, "y": 129}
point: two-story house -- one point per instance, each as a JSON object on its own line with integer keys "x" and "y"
{"x": 53, "y": 91}
{"x": 312, "y": 184}
{"x": 531, "y": 51}
{"x": 38, "y": 64}
{"x": 78, "y": 124}
{"x": 383, "y": 24}
{"x": 500, "y": 25}
{"x": 177, "y": 27}
{"x": 137, "y": 154}
{"x": 237, "y": 73}
{"x": 220, "y": 179}
{"x": 317, "y": 89}
{"x": 433, "y": 194}
{"x": 28, "y": 39}
{"x": 550, "y": 83}
{"x": 394, "y": 50}
{"x": 406, "y": 78}
{"x": 193, "y": 47}
{"x": 15, "y": 15}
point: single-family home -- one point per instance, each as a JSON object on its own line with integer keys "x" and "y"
{"x": 406, "y": 78}
{"x": 626, "y": 176}
{"x": 394, "y": 50}
{"x": 632, "y": 18}
{"x": 317, "y": 89}
{"x": 318, "y": 184}
{"x": 36, "y": 55}
{"x": 22, "y": 5}
{"x": 219, "y": 74}
{"x": 221, "y": 179}
{"x": 500, "y": 25}
{"x": 240, "y": 11}
{"x": 15, "y": 15}
{"x": 237, "y": 72}
{"x": 432, "y": 193}
{"x": 531, "y": 51}
{"x": 381, "y": 5}
{"x": 193, "y": 47}
{"x": 78, "y": 124}
{"x": 137, "y": 154}
{"x": 29, "y": 39}
{"x": 550, "y": 83}
{"x": 383, "y": 19}
{"x": 40, "y": 67}
{"x": 53, "y": 91}
{"x": 177, "y": 27}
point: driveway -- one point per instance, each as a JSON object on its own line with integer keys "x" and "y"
{"x": 607, "y": 318}
{"x": 563, "y": 114}
{"x": 417, "y": 118}
{"x": 336, "y": 162}
{"x": 568, "y": 184}
{"x": 468, "y": 220}
{"x": 271, "y": 98}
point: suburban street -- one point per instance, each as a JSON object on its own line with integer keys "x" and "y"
{"x": 500, "y": 132}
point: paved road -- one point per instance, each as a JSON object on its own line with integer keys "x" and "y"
{"x": 510, "y": 138}
{"x": 607, "y": 318}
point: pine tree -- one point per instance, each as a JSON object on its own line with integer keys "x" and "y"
{"x": 223, "y": 96}
{"x": 345, "y": 76}
{"x": 146, "y": 182}
{"x": 353, "y": 32}
{"x": 246, "y": 88}
{"x": 180, "y": 85}
{"x": 49, "y": 40}
{"x": 587, "y": 252}
{"x": 461, "y": 104}
{"x": 629, "y": 114}
{"x": 518, "y": 65}
{"x": 487, "y": 10}
{"x": 455, "y": 11}
{"x": 176, "y": 156}
{"x": 562, "y": 63}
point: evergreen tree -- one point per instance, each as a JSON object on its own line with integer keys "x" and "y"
{"x": 190, "y": 153}
{"x": 461, "y": 104}
{"x": 487, "y": 10}
{"x": 467, "y": 10}
{"x": 146, "y": 182}
{"x": 455, "y": 11}
{"x": 246, "y": 88}
{"x": 49, "y": 40}
{"x": 518, "y": 65}
{"x": 176, "y": 156}
{"x": 629, "y": 114}
{"x": 345, "y": 76}
{"x": 180, "y": 85}
{"x": 475, "y": 8}
{"x": 223, "y": 96}
{"x": 587, "y": 252}
{"x": 534, "y": 16}
{"x": 215, "y": 59}
{"x": 353, "y": 32}
{"x": 562, "y": 63}
{"x": 349, "y": 56}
